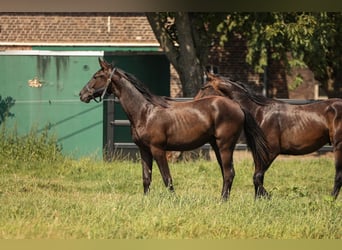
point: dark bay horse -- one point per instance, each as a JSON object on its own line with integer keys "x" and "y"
{"x": 159, "y": 124}
{"x": 289, "y": 129}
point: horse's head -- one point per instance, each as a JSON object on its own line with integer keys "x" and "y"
{"x": 214, "y": 86}
{"x": 222, "y": 86}
{"x": 98, "y": 84}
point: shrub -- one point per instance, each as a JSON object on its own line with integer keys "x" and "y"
{"x": 34, "y": 146}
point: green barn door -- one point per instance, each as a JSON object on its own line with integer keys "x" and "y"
{"x": 151, "y": 69}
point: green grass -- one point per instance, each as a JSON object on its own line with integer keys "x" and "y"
{"x": 85, "y": 199}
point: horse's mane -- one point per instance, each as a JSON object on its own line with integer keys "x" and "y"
{"x": 162, "y": 101}
{"x": 248, "y": 92}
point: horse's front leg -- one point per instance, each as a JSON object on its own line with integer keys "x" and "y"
{"x": 160, "y": 156}
{"x": 146, "y": 161}
{"x": 228, "y": 173}
{"x": 338, "y": 173}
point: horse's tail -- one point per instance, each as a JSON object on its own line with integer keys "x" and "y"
{"x": 256, "y": 139}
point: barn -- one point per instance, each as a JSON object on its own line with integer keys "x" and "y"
{"x": 46, "y": 58}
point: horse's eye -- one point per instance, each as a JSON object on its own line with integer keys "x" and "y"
{"x": 97, "y": 76}
{"x": 205, "y": 87}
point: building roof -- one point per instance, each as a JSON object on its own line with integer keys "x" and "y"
{"x": 106, "y": 29}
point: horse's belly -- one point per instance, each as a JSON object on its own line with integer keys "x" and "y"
{"x": 303, "y": 143}
{"x": 183, "y": 143}
{"x": 301, "y": 150}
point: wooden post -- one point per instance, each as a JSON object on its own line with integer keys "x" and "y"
{"x": 108, "y": 128}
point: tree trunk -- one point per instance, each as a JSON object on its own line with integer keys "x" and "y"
{"x": 333, "y": 85}
{"x": 182, "y": 54}
{"x": 189, "y": 66}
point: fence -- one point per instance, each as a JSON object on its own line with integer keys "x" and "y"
{"x": 129, "y": 149}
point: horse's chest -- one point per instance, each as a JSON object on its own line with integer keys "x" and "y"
{"x": 145, "y": 134}
{"x": 139, "y": 133}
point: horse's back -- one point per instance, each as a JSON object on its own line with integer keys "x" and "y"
{"x": 305, "y": 128}
{"x": 223, "y": 108}
{"x": 188, "y": 125}
{"x": 222, "y": 102}
{"x": 228, "y": 116}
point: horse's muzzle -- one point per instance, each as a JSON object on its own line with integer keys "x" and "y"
{"x": 85, "y": 97}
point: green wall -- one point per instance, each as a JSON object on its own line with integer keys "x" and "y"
{"x": 56, "y": 104}
{"x": 82, "y": 129}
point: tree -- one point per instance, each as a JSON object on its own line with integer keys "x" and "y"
{"x": 312, "y": 39}
{"x": 186, "y": 39}
{"x": 276, "y": 42}
{"x": 323, "y": 54}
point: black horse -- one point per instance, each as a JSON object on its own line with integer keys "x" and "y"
{"x": 159, "y": 124}
{"x": 289, "y": 129}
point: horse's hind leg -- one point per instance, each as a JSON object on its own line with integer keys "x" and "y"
{"x": 258, "y": 178}
{"x": 224, "y": 157}
{"x": 217, "y": 154}
{"x": 160, "y": 157}
{"x": 338, "y": 173}
{"x": 228, "y": 174}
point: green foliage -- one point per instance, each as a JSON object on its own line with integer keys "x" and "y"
{"x": 323, "y": 55}
{"x": 85, "y": 199}
{"x": 312, "y": 38}
{"x": 5, "y": 105}
{"x": 296, "y": 82}
{"x": 271, "y": 34}
{"x": 31, "y": 148}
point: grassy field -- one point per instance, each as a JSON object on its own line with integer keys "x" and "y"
{"x": 88, "y": 199}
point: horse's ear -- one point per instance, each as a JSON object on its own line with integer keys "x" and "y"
{"x": 210, "y": 76}
{"x": 103, "y": 63}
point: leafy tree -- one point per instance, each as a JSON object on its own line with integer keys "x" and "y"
{"x": 296, "y": 39}
{"x": 275, "y": 41}
{"x": 323, "y": 54}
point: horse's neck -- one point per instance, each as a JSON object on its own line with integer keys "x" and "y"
{"x": 246, "y": 102}
{"x": 133, "y": 103}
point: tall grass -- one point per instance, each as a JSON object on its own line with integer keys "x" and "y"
{"x": 87, "y": 199}
{"x": 34, "y": 146}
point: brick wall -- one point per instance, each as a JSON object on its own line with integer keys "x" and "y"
{"x": 230, "y": 62}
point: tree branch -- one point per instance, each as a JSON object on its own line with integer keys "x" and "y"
{"x": 157, "y": 24}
